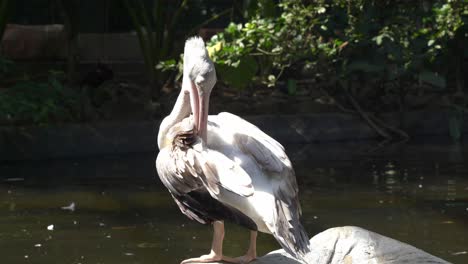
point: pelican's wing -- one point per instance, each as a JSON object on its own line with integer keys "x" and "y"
{"x": 180, "y": 183}
{"x": 221, "y": 172}
{"x": 273, "y": 161}
{"x": 267, "y": 152}
{"x": 188, "y": 169}
{"x": 194, "y": 183}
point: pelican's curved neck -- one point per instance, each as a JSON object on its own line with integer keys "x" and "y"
{"x": 180, "y": 111}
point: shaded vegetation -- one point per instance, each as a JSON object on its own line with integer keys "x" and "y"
{"x": 363, "y": 57}
{"x": 35, "y": 99}
{"x": 366, "y": 56}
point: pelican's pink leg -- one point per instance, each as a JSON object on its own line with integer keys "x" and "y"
{"x": 216, "y": 253}
{"x": 251, "y": 252}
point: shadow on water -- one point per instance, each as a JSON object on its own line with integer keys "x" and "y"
{"x": 114, "y": 210}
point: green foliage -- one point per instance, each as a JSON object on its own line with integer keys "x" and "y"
{"x": 238, "y": 74}
{"x": 155, "y": 25}
{"x": 389, "y": 49}
{"x": 369, "y": 55}
{"x": 31, "y": 101}
{"x": 275, "y": 43}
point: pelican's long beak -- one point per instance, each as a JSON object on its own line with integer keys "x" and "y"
{"x": 199, "y": 102}
{"x": 203, "y": 105}
{"x": 189, "y": 85}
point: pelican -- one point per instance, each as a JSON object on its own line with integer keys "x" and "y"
{"x": 222, "y": 168}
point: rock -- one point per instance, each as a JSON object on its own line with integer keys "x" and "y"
{"x": 32, "y": 42}
{"x": 350, "y": 244}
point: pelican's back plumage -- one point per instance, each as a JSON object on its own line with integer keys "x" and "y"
{"x": 276, "y": 201}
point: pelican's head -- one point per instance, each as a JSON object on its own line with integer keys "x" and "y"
{"x": 199, "y": 79}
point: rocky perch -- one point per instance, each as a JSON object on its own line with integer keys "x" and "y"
{"x": 354, "y": 245}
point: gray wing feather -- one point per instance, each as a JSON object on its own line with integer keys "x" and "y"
{"x": 183, "y": 169}
{"x": 271, "y": 157}
{"x": 267, "y": 152}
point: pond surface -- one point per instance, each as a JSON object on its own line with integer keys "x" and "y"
{"x": 416, "y": 193}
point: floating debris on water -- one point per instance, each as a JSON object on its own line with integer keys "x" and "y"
{"x": 38, "y": 245}
{"x": 13, "y": 179}
{"x": 70, "y": 207}
{"x": 459, "y": 253}
{"x": 129, "y": 254}
{"x": 147, "y": 245}
{"x": 50, "y": 227}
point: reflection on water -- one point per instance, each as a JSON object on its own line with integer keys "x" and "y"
{"x": 113, "y": 210}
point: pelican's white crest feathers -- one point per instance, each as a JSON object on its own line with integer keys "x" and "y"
{"x": 196, "y": 59}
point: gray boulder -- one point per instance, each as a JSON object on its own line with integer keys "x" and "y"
{"x": 350, "y": 244}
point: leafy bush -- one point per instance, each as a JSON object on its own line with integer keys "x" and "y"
{"x": 31, "y": 101}
{"x": 378, "y": 41}
{"x": 158, "y": 24}
{"x": 400, "y": 33}
{"x": 369, "y": 55}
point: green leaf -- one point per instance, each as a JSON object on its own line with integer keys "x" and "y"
{"x": 321, "y": 10}
{"x": 379, "y": 39}
{"x": 433, "y": 79}
{"x": 271, "y": 80}
{"x": 167, "y": 65}
{"x": 238, "y": 77}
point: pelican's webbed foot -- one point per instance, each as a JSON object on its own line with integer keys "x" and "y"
{"x": 209, "y": 258}
{"x": 212, "y": 257}
{"x": 216, "y": 254}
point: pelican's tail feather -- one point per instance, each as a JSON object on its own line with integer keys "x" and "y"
{"x": 288, "y": 230}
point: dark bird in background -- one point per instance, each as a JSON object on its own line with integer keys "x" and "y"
{"x": 97, "y": 76}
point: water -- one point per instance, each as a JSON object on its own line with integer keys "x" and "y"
{"x": 415, "y": 193}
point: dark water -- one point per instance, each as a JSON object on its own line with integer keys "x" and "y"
{"x": 416, "y": 193}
